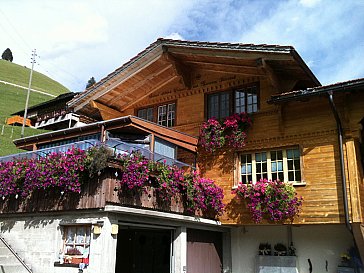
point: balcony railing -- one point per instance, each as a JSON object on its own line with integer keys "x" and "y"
{"x": 118, "y": 147}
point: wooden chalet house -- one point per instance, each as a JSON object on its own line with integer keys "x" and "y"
{"x": 302, "y": 133}
{"x": 51, "y": 115}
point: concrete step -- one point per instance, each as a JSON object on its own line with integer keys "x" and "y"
{"x": 8, "y": 259}
{"x": 12, "y": 269}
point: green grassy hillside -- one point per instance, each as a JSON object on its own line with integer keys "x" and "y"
{"x": 17, "y": 74}
{"x": 12, "y": 99}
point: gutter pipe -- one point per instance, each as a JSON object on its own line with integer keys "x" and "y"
{"x": 342, "y": 164}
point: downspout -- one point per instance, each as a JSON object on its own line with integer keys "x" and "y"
{"x": 342, "y": 163}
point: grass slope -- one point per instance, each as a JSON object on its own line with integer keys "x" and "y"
{"x": 12, "y": 99}
{"x": 17, "y": 74}
{"x": 9, "y": 133}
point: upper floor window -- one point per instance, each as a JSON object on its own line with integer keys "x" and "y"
{"x": 164, "y": 114}
{"x": 283, "y": 165}
{"x": 223, "y": 104}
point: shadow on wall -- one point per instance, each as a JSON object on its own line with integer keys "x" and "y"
{"x": 221, "y": 160}
{"x": 237, "y": 211}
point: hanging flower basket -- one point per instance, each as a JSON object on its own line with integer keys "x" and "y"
{"x": 230, "y": 133}
{"x": 272, "y": 200}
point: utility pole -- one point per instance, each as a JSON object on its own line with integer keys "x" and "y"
{"x": 34, "y": 54}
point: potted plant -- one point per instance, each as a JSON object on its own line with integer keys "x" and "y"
{"x": 280, "y": 249}
{"x": 265, "y": 249}
{"x": 75, "y": 255}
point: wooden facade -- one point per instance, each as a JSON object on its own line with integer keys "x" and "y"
{"x": 191, "y": 71}
{"x": 186, "y": 73}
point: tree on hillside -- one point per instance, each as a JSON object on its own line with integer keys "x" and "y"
{"x": 7, "y": 55}
{"x": 90, "y": 82}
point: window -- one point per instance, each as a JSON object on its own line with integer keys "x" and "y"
{"x": 161, "y": 114}
{"x": 76, "y": 242}
{"x": 223, "y": 104}
{"x": 146, "y": 113}
{"x": 283, "y": 165}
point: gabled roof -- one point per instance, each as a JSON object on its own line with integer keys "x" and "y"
{"x": 129, "y": 124}
{"x": 63, "y": 97}
{"x": 167, "y": 62}
{"x": 346, "y": 86}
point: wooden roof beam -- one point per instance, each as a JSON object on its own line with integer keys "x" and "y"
{"x": 105, "y": 111}
{"x": 228, "y": 68}
{"x": 129, "y": 91}
{"x": 180, "y": 69}
{"x": 273, "y": 78}
{"x": 150, "y": 91}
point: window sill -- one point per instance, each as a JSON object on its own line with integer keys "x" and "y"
{"x": 58, "y": 264}
{"x": 294, "y": 184}
{"x": 299, "y": 184}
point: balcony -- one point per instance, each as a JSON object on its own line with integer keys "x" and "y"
{"x": 103, "y": 187}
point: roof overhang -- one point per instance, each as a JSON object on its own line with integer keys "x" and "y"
{"x": 348, "y": 86}
{"x": 129, "y": 124}
{"x": 167, "y": 63}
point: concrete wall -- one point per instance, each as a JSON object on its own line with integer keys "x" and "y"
{"x": 38, "y": 241}
{"x": 319, "y": 243}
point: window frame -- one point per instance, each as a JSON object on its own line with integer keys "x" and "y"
{"x": 253, "y": 162}
{"x": 170, "y": 122}
{"x": 232, "y": 99}
{"x": 75, "y": 244}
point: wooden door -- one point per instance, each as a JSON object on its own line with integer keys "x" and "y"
{"x": 204, "y": 251}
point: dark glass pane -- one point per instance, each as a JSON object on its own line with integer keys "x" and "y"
{"x": 258, "y": 157}
{"x": 274, "y": 176}
{"x": 279, "y": 155}
{"x": 281, "y": 176}
{"x": 264, "y": 156}
{"x": 297, "y": 164}
{"x": 290, "y": 176}
{"x": 259, "y": 168}
{"x": 290, "y": 164}
{"x": 289, "y": 153}
{"x": 249, "y": 158}
{"x": 264, "y": 167}
{"x": 273, "y": 155}
{"x": 250, "y": 178}
{"x": 298, "y": 176}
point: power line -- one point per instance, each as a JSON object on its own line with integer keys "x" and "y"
{"x": 34, "y": 54}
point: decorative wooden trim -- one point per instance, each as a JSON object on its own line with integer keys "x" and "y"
{"x": 221, "y": 84}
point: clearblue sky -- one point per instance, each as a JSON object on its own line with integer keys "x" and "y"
{"x": 77, "y": 39}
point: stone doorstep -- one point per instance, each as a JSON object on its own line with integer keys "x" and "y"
{"x": 12, "y": 268}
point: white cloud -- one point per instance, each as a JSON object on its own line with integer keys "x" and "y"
{"x": 309, "y": 3}
{"x": 174, "y": 36}
{"x": 79, "y": 39}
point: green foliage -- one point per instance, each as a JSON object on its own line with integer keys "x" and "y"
{"x": 7, "y": 55}
{"x": 90, "y": 82}
{"x": 96, "y": 159}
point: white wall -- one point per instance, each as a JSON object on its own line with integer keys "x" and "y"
{"x": 38, "y": 240}
{"x": 315, "y": 242}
